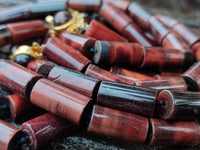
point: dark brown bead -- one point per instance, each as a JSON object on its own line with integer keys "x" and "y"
{"x": 41, "y": 66}
{"x": 46, "y": 128}
{"x": 17, "y": 78}
{"x": 177, "y": 84}
{"x": 23, "y": 31}
{"x": 100, "y": 32}
{"x": 9, "y": 136}
{"x": 86, "y": 5}
{"x": 173, "y": 133}
{"x": 61, "y": 18}
{"x": 131, "y": 75}
{"x": 62, "y": 54}
{"x": 140, "y": 15}
{"x": 117, "y": 53}
{"x": 60, "y": 101}
{"x": 178, "y": 105}
{"x": 192, "y": 77}
{"x": 134, "y": 99}
{"x": 135, "y": 35}
{"x": 23, "y": 59}
{"x": 20, "y": 108}
{"x": 78, "y": 42}
{"x": 78, "y": 82}
{"x": 119, "y": 124}
{"x": 102, "y": 74}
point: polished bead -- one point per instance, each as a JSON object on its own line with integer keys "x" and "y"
{"x": 100, "y": 32}
{"x": 134, "y": 99}
{"x": 46, "y": 128}
{"x": 60, "y": 101}
{"x": 174, "y": 133}
{"x": 62, "y": 54}
{"x": 118, "y": 124}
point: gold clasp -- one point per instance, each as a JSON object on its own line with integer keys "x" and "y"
{"x": 35, "y": 51}
{"x": 76, "y": 25}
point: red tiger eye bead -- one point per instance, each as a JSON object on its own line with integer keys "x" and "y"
{"x": 62, "y": 54}
{"x": 121, "y": 4}
{"x": 102, "y": 74}
{"x": 9, "y": 136}
{"x": 173, "y": 133}
{"x": 86, "y": 5}
{"x": 19, "y": 107}
{"x": 118, "y": 53}
{"x": 46, "y": 128}
{"x": 178, "y": 105}
{"x": 60, "y": 101}
{"x": 119, "y": 124}
{"x": 76, "y": 81}
{"x": 140, "y": 15}
{"x": 41, "y": 66}
{"x": 23, "y": 31}
{"x": 78, "y": 42}
{"x": 17, "y": 78}
{"x": 168, "y": 84}
{"x": 123, "y": 24}
{"x": 192, "y": 77}
{"x": 131, "y": 75}
{"x": 61, "y": 18}
{"x": 134, "y": 99}
{"x": 101, "y": 32}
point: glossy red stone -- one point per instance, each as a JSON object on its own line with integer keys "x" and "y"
{"x": 41, "y": 66}
{"x": 139, "y": 15}
{"x": 157, "y": 29}
{"x": 100, "y": 32}
{"x": 177, "y": 84}
{"x": 168, "y": 21}
{"x": 188, "y": 36}
{"x": 46, "y": 128}
{"x": 178, "y": 105}
{"x": 121, "y": 4}
{"x": 86, "y": 5}
{"x": 192, "y": 77}
{"x": 117, "y": 53}
{"x": 23, "y": 31}
{"x": 102, "y": 74}
{"x": 76, "y": 81}
{"x": 62, "y": 54}
{"x": 60, "y": 101}
{"x": 20, "y": 108}
{"x": 135, "y": 35}
{"x": 9, "y": 136}
{"x": 174, "y": 133}
{"x": 118, "y": 19}
{"x": 134, "y": 99}
{"x": 118, "y": 124}
{"x": 17, "y": 78}
{"x": 173, "y": 41}
{"x": 78, "y": 42}
{"x": 131, "y": 75}
{"x": 163, "y": 58}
